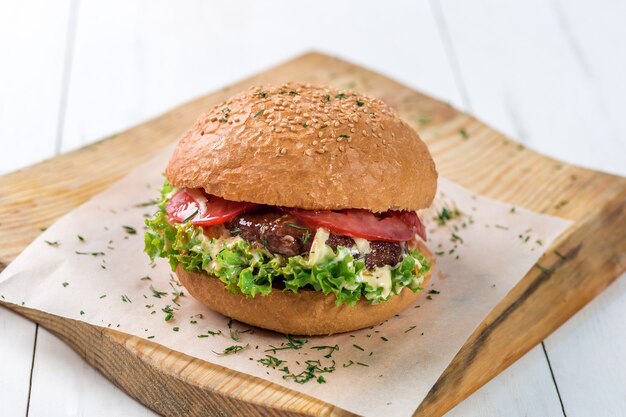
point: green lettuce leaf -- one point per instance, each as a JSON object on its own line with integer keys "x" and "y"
{"x": 249, "y": 269}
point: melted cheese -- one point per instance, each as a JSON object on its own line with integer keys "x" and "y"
{"x": 319, "y": 250}
{"x": 379, "y": 277}
{"x": 363, "y": 245}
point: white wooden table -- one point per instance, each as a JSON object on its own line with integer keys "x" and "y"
{"x": 550, "y": 73}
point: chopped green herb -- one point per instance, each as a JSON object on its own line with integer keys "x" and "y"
{"x": 434, "y": 292}
{"x": 82, "y": 239}
{"x": 157, "y": 294}
{"x": 362, "y": 364}
{"x": 55, "y": 243}
{"x": 260, "y": 112}
{"x": 295, "y": 226}
{"x": 327, "y": 97}
{"x": 130, "y": 230}
{"x": 447, "y": 214}
{"x": 423, "y": 120}
{"x": 384, "y": 339}
{"x": 543, "y": 269}
{"x": 560, "y": 255}
{"x": 312, "y": 368}
{"x": 292, "y": 343}
{"x": 561, "y": 204}
{"x": 348, "y": 364}
{"x": 294, "y": 93}
{"x": 464, "y": 133}
{"x": 147, "y": 203}
{"x": 65, "y": 284}
{"x": 344, "y": 136}
{"x": 232, "y": 349}
{"x": 359, "y": 347}
{"x": 359, "y": 103}
{"x": 169, "y": 313}
{"x": 456, "y": 237}
{"x": 190, "y": 216}
{"x": 332, "y": 349}
{"x": 409, "y": 329}
{"x": 126, "y": 299}
{"x": 234, "y": 334}
{"x": 340, "y": 95}
{"x": 261, "y": 94}
{"x": 270, "y": 361}
{"x": 175, "y": 329}
{"x": 223, "y": 120}
{"x": 82, "y": 313}
{"x": 146, "y": 278}
{"x": 305, "y": 238}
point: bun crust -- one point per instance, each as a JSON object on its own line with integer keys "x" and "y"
{"x": 303, "y": 313}
{"x": 304, "y": 146}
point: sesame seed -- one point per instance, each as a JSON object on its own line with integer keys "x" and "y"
{"x": 283, "y": 151}
{"x": 315, "y": 142}
{"x": 320, "y": 134}
{"x": 308, "y": 152}
{"x": 320, "y": 151}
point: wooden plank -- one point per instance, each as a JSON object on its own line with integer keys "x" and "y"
{"x": 590, "y": 349}
{"x": 16, "y": 347}
{"x": 63, "y": 384}
{"x": 158, "y": 73}
{"x": 531, "y": 83}
{"x": 32, "y": 41}
{"x": 581, "y": 75}
{"x": 588, "y": 263}
{"x": 587, "y": 356}
{"x": 524, "y": 389}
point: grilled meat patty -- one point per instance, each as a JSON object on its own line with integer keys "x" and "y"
{"x": 282, "y": 234}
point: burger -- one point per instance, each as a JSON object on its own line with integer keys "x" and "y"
{"x": 293, "y": 208}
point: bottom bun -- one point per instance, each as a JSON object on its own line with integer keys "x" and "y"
{"x": 306, "y": 312}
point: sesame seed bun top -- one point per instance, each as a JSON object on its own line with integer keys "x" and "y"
{"x": 299, "y": 145}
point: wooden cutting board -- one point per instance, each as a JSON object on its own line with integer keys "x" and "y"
{"x": 585, "y": 260}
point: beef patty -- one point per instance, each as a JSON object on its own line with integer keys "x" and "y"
{"x": 282, "y": 234}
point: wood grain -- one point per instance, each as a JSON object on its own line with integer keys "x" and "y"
{"x": 590, "y": 255}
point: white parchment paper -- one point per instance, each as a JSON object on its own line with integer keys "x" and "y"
{"x": 105, "y": 279}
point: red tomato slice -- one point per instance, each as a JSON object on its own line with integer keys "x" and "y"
{"x": 412, "y": 219}
{"x": 201, "y": 209}
{"x": 392, "y": 226}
